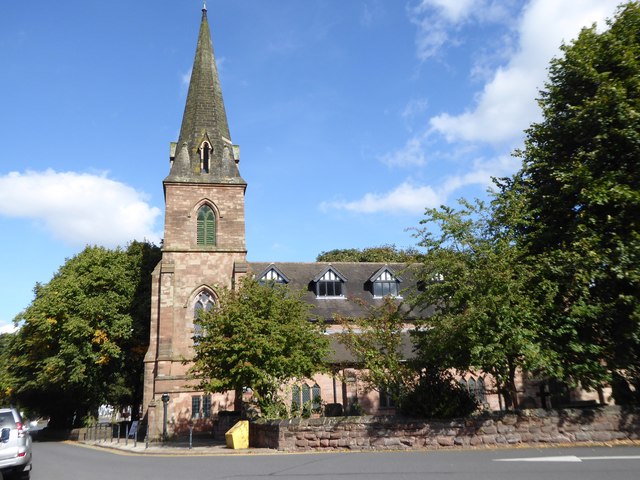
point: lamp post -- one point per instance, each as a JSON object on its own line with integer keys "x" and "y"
{"x": 165, "y": 401}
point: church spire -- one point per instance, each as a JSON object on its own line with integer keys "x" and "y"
{"x": 204, "y": 152}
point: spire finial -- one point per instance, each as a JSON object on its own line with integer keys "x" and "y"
{"x": 204, "y": 6}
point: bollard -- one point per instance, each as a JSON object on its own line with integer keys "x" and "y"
{"x": 135, "y": 438}
{"x": 118, "y": 433}
{"x": 146, "y": 441}
{"x": 190, "y": 437}
{"x": 126, "y": 436}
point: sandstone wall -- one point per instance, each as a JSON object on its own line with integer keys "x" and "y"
{"x": 526, "y": 427}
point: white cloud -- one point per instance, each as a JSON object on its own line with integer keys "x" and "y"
{"x": 406, "y": 198}
{"x": 412, "y": 154}
{"x": 439, "y": 20}
{"x": 507, "y": 105}
{"x": 414, "y": 108}
{"x": 79, "y": 208}
{"x": 409, "y": 198}
{"x": 185, "y": 78}
{"x": 7, "y": 327}
{"x": 453, "y": 10}
{"x": 372, "y": 11}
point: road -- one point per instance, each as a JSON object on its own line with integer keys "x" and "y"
{"x": 62, "y": 461}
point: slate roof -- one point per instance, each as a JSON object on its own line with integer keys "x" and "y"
{"x": 340, "y": 355}
{"x": 358, "y": 277}
{"x": 205, "y": 119}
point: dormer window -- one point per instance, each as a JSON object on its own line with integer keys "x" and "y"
{"x": 330, "y": 284}
{"x": 273, "y": 276}
{"x": 205, "y": 157}
{"x": 384, "y": 283}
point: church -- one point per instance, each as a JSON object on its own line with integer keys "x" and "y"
{"x": 204, "y": 249}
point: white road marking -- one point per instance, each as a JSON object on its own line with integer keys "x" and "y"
{"x": 568, "y": 458}
{"x": 625, "y": 457}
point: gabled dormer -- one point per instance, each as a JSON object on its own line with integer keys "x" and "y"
{"x": 272, "y": 275}
{"x": 385, "y": 282}
{"x": 329, "y": 284}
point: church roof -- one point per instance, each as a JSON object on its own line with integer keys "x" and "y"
{"x": 205, "y": 120}
{"x": 357, "y": 278}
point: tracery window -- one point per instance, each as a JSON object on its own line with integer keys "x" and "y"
{"x": 306, "y": 399}
{"x": 476, "y": 388}
{"x": 204, "y": 303}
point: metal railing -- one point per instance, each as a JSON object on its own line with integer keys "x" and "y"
{"x": 113, "y": 433}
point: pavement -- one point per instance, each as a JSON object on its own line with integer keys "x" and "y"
{"x": 171, "y": 448}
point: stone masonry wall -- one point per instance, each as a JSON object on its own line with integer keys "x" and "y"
{"x": 600, "y": 424}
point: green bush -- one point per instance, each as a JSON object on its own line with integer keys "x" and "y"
{"x": 438, "y": 395}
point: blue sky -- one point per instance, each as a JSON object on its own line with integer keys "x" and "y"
{"x": 352, "y": 116}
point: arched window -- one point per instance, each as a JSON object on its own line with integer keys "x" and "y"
{"x": 472, "y": 387}
{"x": 296, "y": 404}
{"x": 316, "y": 398}
{"x": 205, "y": 154}
{"x": 204, "y": 303}
{"x": 480, "y": 391}
{"x": 463, "y": 384}
{"x": 306, "y": 395}
{"x": 206, "y": 234}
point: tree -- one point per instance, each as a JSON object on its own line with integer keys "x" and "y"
{"x": 259, "y": 337}
{"x": 383, "y": 253}
{"x": 378, "y": 343}
{"x": 81, "y": 340}
{"x": 580, "y": 188}
{"x": 474, "y": 277}
{"x": 6, "y": 382}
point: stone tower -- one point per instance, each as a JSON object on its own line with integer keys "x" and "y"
{"x": 204, "y": 241}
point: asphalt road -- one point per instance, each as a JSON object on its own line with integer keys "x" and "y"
{"x": 60, "y": 461}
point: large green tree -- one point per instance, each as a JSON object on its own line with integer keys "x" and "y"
{"x": 475, "y": 281}
{"x": 6, "y": 382}
{"x": 258, "y": 337}
{"x": 383, "y": 253}
{"x": 82, "y": 340}
{"x": 580, "y": 189}
{"x": 380, "y": 345}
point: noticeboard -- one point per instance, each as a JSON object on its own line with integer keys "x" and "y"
{"x": 133, "y": 429}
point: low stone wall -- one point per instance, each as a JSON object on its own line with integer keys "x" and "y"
{"x": 600, "y": 424}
